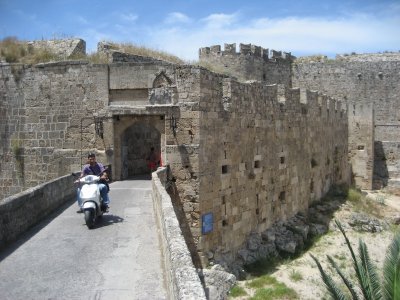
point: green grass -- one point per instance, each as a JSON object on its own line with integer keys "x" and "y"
{"x": 268, "y": 287}
{"x": 295, "y": 276}
{"x": 261, "y": 282}
{"x": 237, "y": 291}
{"x": 278, "y": 291}
{"x": 354, "y": 195}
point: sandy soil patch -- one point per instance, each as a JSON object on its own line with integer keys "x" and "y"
{"x": 310, "y": 285}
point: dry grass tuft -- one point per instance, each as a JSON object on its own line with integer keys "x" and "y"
{"x": 13, "y": 50}
{"x": 130, "y": 48}
{"x": 362, "y": 203}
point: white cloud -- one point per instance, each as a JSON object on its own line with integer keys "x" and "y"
{"x": 177, "y": 17}
{"x": 301, "y": 36}
{"x": 129, "y": 17}
{"x": 219, "y": 20}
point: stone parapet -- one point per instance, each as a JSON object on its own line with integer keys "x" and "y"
{"x": 244, "y": 49}
{"x": 251, "y": 62}
{"x": 371, "y": 57}
{"x": 182, "y": 280}
{"x": 21, "y": 211}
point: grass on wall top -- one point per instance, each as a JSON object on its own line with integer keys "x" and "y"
{"x": 144, "y": 51}
{"x": 13, "y": 50}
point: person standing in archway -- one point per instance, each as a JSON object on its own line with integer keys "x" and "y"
{"x": 153, "y": 160}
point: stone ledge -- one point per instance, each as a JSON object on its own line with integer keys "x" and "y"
{"x": 182, "y": 279}
{"x": 21, "y": 211}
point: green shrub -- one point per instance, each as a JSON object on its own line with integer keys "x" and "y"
{"x": 261, "y": 281}
{"x": 278, "y": 291}
{"x": 353, "y": 195}
{"x": 237, "y": 291}
{"x": 295, "y": 276}
{"x": 12, "y": 50}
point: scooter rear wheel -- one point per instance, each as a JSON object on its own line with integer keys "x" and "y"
{"x": 89, "y": 218}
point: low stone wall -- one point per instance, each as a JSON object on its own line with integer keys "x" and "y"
{"x": 182, "y": 279}
{"x": 21, "y": 211}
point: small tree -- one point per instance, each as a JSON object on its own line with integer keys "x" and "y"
{"x": 369, "y": 286}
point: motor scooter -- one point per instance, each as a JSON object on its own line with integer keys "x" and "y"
{"x": 92, "y": 204}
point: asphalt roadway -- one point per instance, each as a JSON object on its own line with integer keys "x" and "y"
{"x": 62, "y": 259}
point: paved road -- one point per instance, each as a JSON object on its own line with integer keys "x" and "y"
{"x": 62, "y": 259}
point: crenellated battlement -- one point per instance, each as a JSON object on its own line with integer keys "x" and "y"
{"x": 245, "y": 50}
{"x": 251, "y": 62}
{"x": 256, "y": 97}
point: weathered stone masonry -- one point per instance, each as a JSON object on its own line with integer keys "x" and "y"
{"x": 370, "y": 80}
{"x": 250, "y": 63}
{"x": 265, "y": 153}
{"x": 44, "y": 108}
{"x": 242, "y": 154}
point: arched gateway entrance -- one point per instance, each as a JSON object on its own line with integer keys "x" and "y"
{"x": 136, "y": 143}
{"x": 134, "y": 137}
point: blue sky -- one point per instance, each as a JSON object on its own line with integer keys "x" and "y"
{"x": 181, "y": 27}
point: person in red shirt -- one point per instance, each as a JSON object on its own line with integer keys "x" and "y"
{"x": 153, "y": 160}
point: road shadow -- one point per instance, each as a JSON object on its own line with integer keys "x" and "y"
{"x": 28, "y": 234}
{"x": 139, "y": 177}
{"x": 107, "y": 220}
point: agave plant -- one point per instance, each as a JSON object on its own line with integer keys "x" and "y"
{"x": 369, "y": 285}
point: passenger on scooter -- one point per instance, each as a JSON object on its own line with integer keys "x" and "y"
{"x": 95, "y": 168}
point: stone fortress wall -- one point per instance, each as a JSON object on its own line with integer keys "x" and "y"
{"x": 266, "y": 153}
{"x": 242, "y": 155}
{"x": 369, "y": 79}
{"x": 42, "y": 107}
{"x": 250, "y": 63}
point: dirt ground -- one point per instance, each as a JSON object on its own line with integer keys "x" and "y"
{"x": 302, "y": 274}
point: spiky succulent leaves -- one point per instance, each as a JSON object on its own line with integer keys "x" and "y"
{"x": 391, "y": 270}
{"x": 370, "y": 282}
{"x": 353, "y": 256}
{"x": 365, "y": 271}
{"x": 360, "y": 274}
{"x": 334, "y": 291}
{"x": 347, "y": 282}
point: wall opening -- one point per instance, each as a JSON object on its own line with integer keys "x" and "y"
{"x": 224, "y": 169}
{"x": 137, "y": 141}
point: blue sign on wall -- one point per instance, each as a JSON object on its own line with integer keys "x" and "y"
{"x": 207, "y": 223}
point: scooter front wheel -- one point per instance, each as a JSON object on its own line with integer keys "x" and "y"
{"x": 89, "y": 218}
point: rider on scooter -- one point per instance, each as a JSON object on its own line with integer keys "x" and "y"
{"x": 95, "y": 168}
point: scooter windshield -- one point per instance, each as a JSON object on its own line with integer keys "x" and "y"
{"x": 90, "y": 179}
